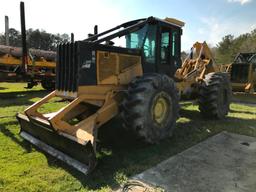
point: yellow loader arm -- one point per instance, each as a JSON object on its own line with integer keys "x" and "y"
{"x": 199, "y": 61}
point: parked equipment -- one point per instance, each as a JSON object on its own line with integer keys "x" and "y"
{"x": 28, "y": 65}
{"x": 102, "y": 79}
{"x": 243, "y": 73}
{"x": 194, "y": 68}
{"x": 199, "y": 77}
{"x": 40, "y": 66}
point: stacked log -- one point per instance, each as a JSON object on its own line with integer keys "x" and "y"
{"x": 36, "y": 53}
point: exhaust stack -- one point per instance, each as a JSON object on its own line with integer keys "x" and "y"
{"x": 23, "y": 37}
{"x": 7, "y": 31}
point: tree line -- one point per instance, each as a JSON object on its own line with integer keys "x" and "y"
{"x": 230, "y": 46}
{"x": 37, "y": 39}
{"x": 224, "y": 52}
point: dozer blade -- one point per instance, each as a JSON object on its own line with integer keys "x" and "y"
{"x": 80, "y": 156}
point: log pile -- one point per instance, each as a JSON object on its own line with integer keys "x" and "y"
{"x": 36, "y": 53}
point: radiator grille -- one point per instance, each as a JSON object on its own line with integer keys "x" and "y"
{"x": 67, "y": 67}
{"x": 239, "y": 73}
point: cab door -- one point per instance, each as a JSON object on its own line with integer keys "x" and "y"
{"x": 169, "y": 51}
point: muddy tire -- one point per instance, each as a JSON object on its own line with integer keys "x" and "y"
{"x": 215, "y": 96}
{"x": 150, "y": 107}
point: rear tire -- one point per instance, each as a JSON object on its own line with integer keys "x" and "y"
{"x": 48, "y": 84}
{"x": 215, "y": 96}
{"x": 150, "y": 108}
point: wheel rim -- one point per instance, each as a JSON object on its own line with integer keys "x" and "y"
{"x": 160, "y": 109}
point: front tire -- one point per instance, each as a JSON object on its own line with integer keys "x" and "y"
{"x": 150, "y": 108}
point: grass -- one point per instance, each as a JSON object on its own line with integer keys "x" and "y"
{"x": 24, "y": 168}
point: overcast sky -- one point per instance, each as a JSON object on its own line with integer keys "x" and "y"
{"x": 205, "y": 20}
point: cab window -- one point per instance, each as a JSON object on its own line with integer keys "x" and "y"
{"x": 165, "y": 39}
{"x": 149, "y": 47}
{"x": 174, "y": 44}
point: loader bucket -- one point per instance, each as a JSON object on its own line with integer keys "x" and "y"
{"x": 79, "y": 156}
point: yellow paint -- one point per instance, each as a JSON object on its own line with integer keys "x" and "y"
{"x": 10, "y": 60}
